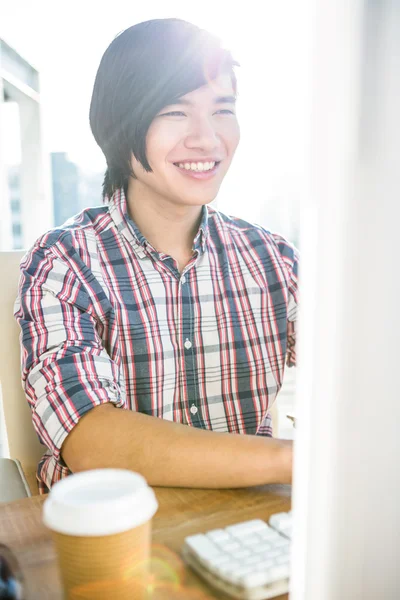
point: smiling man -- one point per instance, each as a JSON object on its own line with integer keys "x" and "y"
{"x": 155, "y": 329}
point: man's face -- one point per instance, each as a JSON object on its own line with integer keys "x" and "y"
{"x": 190, "y": 145}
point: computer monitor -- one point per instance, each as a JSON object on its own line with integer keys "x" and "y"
{"x": 346, "y": 497}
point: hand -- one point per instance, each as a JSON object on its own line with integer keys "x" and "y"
{"x": 285, "y": 460}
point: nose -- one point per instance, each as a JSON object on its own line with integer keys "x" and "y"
{"x": 202, "y": 136}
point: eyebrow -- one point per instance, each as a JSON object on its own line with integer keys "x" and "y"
{"x": 225, "y": 100}
{"x": 217, "y": 100}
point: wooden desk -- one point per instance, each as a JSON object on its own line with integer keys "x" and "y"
{"x": 181, "y": 512}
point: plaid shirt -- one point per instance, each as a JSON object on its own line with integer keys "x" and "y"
{"x": 107, "y": 318}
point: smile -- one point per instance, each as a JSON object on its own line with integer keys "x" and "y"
{"x": 198, "y": 169}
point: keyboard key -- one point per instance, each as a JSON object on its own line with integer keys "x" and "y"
{"x": 253, "y": 559}
{"x": 240, "y": 572}
{"x": 220, "y": 560}
{"x": 282, "y": 522}
{"x": 278, "y": 519}
{"x": 229, "y": 546}
{"x": 265, "y": 564}
{"x": 255, "y": 579}
{"x": 218, "y": 535}
{"x": 278, "y": 572}
{"x": 282, "y": 543}
{"x": 247, "y": 527}
{"x": 263, "y": 547}
{"x": 241, "y": 553}
{"x": 203, "y": 547}
{"x": 229, "y": 569}
{"x": 284, "y": 559}
{"x": 269, "y": 534}
{"x": 251, "y": 540}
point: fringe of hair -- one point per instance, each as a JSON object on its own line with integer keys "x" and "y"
{"x": 114, "y": 179}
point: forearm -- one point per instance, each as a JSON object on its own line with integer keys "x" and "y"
{"x": 172, "y": 454}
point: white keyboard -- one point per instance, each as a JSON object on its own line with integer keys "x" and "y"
{"x": 248, "y": 560}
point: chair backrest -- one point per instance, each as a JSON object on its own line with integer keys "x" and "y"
{"x": 23, "y": 442}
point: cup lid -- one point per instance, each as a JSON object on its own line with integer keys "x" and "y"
{"x": 99, "y": 502}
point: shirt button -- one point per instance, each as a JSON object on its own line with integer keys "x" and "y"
{"x": 183, "y": 279}
{"x": 193, "y": 409}
{"x": 188, "y": 344}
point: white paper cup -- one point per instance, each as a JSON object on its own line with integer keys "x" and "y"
{"x": 101, "y": 525}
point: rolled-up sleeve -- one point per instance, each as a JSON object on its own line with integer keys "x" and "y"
{"x": 290, "y": 257}
{"x": 66, "y": 371}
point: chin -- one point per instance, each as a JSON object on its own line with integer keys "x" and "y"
{"x": 198, "y": 201}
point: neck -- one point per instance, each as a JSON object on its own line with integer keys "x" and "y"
{"x": 170, "y": 228}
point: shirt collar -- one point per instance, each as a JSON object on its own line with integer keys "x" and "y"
{"x": 118, "y": 210}
{"x": 200, "y": 241}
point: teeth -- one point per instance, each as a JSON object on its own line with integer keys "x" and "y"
{"x": 198, "y": 167}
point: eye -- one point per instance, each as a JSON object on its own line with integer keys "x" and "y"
{"x": 173, "y": 113}
{"x": 225, "y": 111}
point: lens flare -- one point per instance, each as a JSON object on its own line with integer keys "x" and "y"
{"x": 162, "y": 577}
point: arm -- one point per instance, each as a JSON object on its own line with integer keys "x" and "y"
{"x": 172, "y": 454}
{"x": 78, "y": 407}
{"x": 290, "y": 257}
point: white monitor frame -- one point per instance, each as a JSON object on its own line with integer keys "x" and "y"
{"x": 346, "y": 539}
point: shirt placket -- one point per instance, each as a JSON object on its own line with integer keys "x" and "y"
{"x": 187, "y": 359}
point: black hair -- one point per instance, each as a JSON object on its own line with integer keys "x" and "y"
{"x": 145, "y": 68}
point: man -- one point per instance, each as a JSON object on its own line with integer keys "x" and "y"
{"x": 155, "y": 305}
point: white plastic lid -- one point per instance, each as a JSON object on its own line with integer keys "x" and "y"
{"x": 99, "y": 502}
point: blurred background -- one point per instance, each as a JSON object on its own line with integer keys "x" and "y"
{"x": 49, "y": 56}
{"x": 51, "y": 167}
